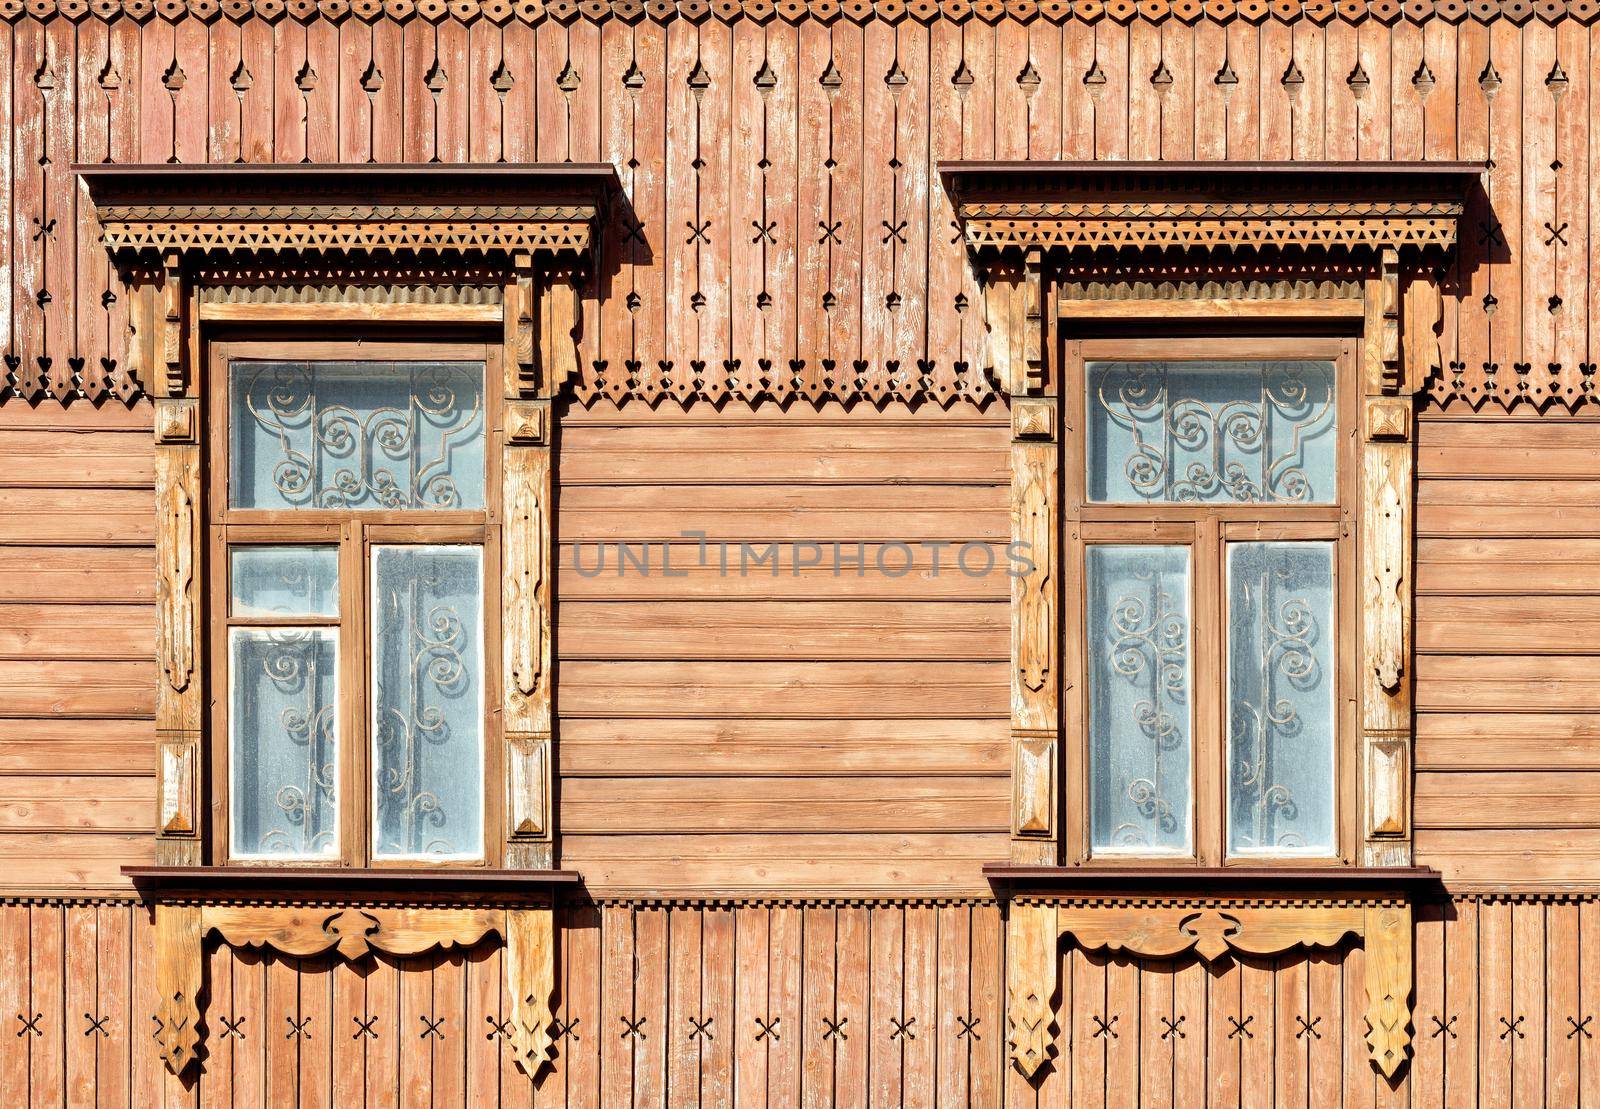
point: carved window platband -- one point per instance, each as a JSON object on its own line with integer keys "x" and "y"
{"x": 1237, "y": 688}
{"x": 348, "y": 515}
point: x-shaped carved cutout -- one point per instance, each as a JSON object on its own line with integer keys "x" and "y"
{"x": 902, "y": 1028}
{"x": 896, "y": 231}
{"x": 1444, "y": 1027}
{"x": 366, "y": 1029}
{"x": 697, "y": 232}
{"x": 1307, "y": 1027}
{"x": 568, "y": 1029}
{"x": 632, "y": 1028}
{"x": 1105, "y": 1028}
{"x": 1241, "y": 1027}
{"x": 96, "y": 1024}
{"x": 830, "y": 231}
{"x": 969, "y": 1028}
{"x": 701, "y": 1029}
{"x": 233, "y": 1027}
{"x": 1557, "y": 234}
{"x": 29, "y": 1024}
{"x": 434, "y": 1028}
{"x": 765, "y": 231}
{"x": 835, "y": 1028}
{"x": 767, "y": 1028}
{"x": 1173, "y": 1027}
{"x": 298, "y": 1029}
{"x": 1513, "y": 1027}
{"x": 1580, "y": 1026}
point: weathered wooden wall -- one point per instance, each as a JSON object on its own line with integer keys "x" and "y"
{"x": 788, "y": 235}
{"x": 1508, "y": 1007}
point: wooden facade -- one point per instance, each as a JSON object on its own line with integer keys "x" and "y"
{"x": 771, "y": 797}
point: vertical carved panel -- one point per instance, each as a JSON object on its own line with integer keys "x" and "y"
{"x": 527, "y": 564}
{"x": 559, "y": 318}
{"x": 530, "y": 961}
{"x": 1031, "y": 970}
{"x": 1389, "y": 974}
{"x": 179, "y": 973}
{"x": 180, "y": 688}
{"x": 1034, "y": 630}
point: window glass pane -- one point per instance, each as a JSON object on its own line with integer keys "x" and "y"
{"x": 1211, "y": 432}
{"x": 1280, "y": 698}
{"x": 383, "y": 435}
{"x": 283, "y": 742}
{"x": 284, "y": 581}
{"x": 1139, "y": 724}
{"x": 427, "y": 690}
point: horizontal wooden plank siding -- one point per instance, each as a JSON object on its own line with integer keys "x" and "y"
{"x": 1507, "y": 622}
{"x": 746, "y": 714}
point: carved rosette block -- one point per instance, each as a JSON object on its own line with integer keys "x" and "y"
{"x": 1208, "y": 929}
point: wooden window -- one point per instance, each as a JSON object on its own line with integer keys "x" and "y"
{"x": 353, "y": 581}
{"x": 1208, "y": 502}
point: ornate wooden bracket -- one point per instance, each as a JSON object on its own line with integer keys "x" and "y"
{"x": 183, "y": 235}
{"x": 1029, "y": 226}
{"x": 1120, "y": 913}
{"x": 274, "y": 910}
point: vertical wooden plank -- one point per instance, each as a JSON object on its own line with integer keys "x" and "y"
{"x": 1461, "y": 1002}
{"x": 1409, "y": 104}
{"x": 91, "y": 265}
{"x": 8, "y": 193}
{"x": 650, "y": 1003}
{"x": 747, "y": 293}
{"x": 909, "y": 253}
{"x": 616, "y": 1045}
{"x": 1291, "y": 1013}
{"x": 223, "y": 1032}
{"x": 1562, "y": 1009}
{"x": 1439, "y": 108}
{"x": 29, "y": 209}
{"x": 290, "y": 119}
{"x": 1342, "y": 75}
{"x": 384, "y": 84}
{"x": 1122, "y": 1041}
{"x": 1427, "y": 1046}
{"x": 226, "y": 47}
{"x": 355, "y": 106}
{"x": 448, "y": 1044}
{"x": 885, "y": 1060}
{"x": 1244, "y": 108}
{"x": 717, "y": 985}
{"x": 250, "y": 83}
{"x": 316, "y": 1046}
{"x": 1152, "y": 1029}
{"x": 1310, "y": 93}
{"x": 1589, "y": 1001}
{"x": 1495, "y": 1002}
{"x": 1572, "y": 215}
{"x": 678, "y": 250}
{"x": 919, "y": 1006}
{"x": 1190, "y": 1067}
{"x": 750, "y": 1005}
{"x": 786, "y": 951}
{"x": 850, "y": 146}
{"x": 817, "y": 1007}
{"x": 1178, "y": 101}
{"x": 1538, "y": 149}
{"x": 986, "y": 1049}
{"x": 80, "y": 982}
{"x": 155, "y": 104}
{"x": 1257, "y": 1069}
{"x": 1111, "y": 108}
{"x": 1090, "y": 1021}
{"x": 1505, "y": 193}
{"x": 617, "y": 274}
{"x": 1223, "y": 1053}
{"x": 322, "y": 97}
{"x": 383, "y": 1047}
{"x": 659, "y": 241}
{"x": 1145, "y": 96}
{"x": 685, "y": 1031}
{"x": 947, "y": 265}
{"x": 1376, "y": 107}
{"x": 14, "y": 939}
{"x": 453, "y": 100}
{"x": 715, "y": 142}
{"x": 1528, "y": 1002}
{"x": 112, "y": 1058}
{"x": 1277, "y": 98}
{"x": 485, "y": 142}
{"x": 878, "y": 195}
{"x": 1044, "y": 103}
{"x": 584, "y": 102}
{"x": 815, "y": 106}
{"x": 1011, "y": 58}
{"x": 144, "y": 1077}
{"x": 853, "y": 1007}
{"x": 1213, "y": 88}
{"x": 482, "y": 1015}
{"x": 416, "y": 1056}
{"x": 347, "y": 1034}
{"x": 46, "y": 1001}
{"x": 1361, "y": 1081}
{"x": 420, "y": 125}
{"x": 953, "y": 1002}
{"x": 581, "y": 1006}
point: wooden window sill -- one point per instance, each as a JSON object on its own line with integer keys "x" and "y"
{"x": 280, "y": 882}
{"x": 1268, "y": 881}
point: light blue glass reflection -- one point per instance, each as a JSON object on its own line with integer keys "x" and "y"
{"x": 1139, "y": 713}
{"x": 372, "y": 435}
{"x": 284, "y": 581}
{"x": 283, "y": 743}
{"x": 1281, "y": 722}
{"x": 427, "y": 692}
{"x": 1214, "y": 432}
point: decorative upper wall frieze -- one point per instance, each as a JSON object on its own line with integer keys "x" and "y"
{"x": 795, "y": 11}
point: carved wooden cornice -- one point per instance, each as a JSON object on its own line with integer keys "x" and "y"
{"x": 1087, "y": 206}
{"x": 149, "y": 212}
{"x": 794, "y": 11}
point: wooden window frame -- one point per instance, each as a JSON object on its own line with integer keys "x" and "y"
{"x": 353, "y": 532}
{"x": 1205, "y": 529}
